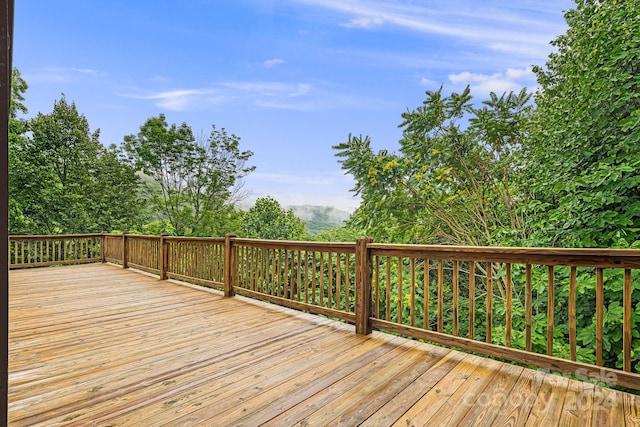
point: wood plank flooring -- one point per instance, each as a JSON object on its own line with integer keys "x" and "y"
{"x": 99, "y": 345}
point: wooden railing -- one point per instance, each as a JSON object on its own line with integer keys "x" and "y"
{"x": 315, "y": 277}
{"x": 42, "y": 251}
{"x": 566, "y": 310}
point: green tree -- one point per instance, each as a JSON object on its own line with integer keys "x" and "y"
{"x": 448, "y": 183}
{"x": 584, "y": 160}
{"x": 197, "y": 180}
{"x": 338, "y": 234}
{"x": 18, "y": 167}
{"x": 64, "y": 181}
{"x": 268, "y": 220}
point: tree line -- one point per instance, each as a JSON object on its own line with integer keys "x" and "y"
{"x": 556, "y": 167}
{"x": 164, "y": 179}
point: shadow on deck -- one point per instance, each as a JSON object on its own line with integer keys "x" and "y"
{"x": 99, "y": 345}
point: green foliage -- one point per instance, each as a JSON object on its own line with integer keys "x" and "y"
{"x": 584, "y": 160}
{"x": 198, "y": 178}
{"x": 157, "y": 228}
{"x": 268, "y": 220}
{"x": 339, "y": 234}
{"x": 447, "y": 184}
{"x": 62, "y": 180}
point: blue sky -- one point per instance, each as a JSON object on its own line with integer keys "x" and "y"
{"x": 291, "y": 78}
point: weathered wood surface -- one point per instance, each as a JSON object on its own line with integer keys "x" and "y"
{"x": 98, "y": 345}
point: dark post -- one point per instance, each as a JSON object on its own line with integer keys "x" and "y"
{"x": 363, "y": 286}
{"x": 229, "y": 265}
{"x": 6, "y": 53}
{"x": 164, "y": 257}
{"x": 125, "y": 250}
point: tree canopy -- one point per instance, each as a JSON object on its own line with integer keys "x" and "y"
{"x": 268, "y": 220}
{"x": 583, "y": 159}
{"x": 195, "y": 179}
{"x": 63, "y": 180}
{"x": 448, "y": 183}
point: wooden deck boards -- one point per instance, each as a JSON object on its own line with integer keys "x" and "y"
{"x": 98, "y": 345}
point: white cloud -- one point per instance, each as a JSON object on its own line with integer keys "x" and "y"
{"x": 181, "y": 100}
{"x": 364, "y": 22}
{"x": 510, "y": 80}
{"x": 425, "y": 81}
{"x": 86, "y": 71}
{"x": 275, "y": 61}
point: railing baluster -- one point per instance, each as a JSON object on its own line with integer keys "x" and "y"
{"x": 330, "y": 280}
{"x": 599, "y": 314}
{"x": 440, "y": 294}
{"x": 472, "y": 291}
{"x": 306, "y": 277}
{"x": 572, "y": 314}
{"x": 388, "y": 289}
{"x": 425, "y": 294}
{"x": 550, "y": 309}
{"x": 456, "y": 293}
{"x": 626, "y": 321}
{"x": 509, "y": 311}
{"x": 528, "y": 310}
{"x": 347, "y": 285}
{"x": 488, "y": 337}
{"x": 376, "y": 286}
{"x": 314, "y": 280}
{"x": 320, "y": 279}
{"x": 339, "y": 299}
{"x": 412, "y": 295}
{"x": 400, "y": 296}
{"x": 299, "y": 275}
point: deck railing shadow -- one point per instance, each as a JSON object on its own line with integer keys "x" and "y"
{"x": 551, "y": 308}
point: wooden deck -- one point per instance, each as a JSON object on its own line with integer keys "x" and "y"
{"x": 98, "y": 345}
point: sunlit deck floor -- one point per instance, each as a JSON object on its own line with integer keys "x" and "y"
{"x": 98, "y": 345}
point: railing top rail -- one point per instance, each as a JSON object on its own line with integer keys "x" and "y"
{"x": 138, "y": 236}
{"x": 194, "y": 239}
{"x": 53, "y": 236}
{"x": 587, "y": 257}
{"x": 298, "y": 245}
{"x": 511, "y": 249}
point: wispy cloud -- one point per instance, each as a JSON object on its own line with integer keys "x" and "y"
{"x": 88, "y": 71}
{"x": 488, "y": 24}
{"x": 275, "y": 61}
{"x": 271, "y": 89}
{"x": 512, "y": 79}
{"x": 60, "y": 74}
{"x": 293, "y": 96}
{"x": 180, "y": 100}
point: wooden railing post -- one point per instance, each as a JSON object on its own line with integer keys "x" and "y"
{"x": 229, "y": 265}
{"x": 363, "y": 286}
{"x": 125, "y": 250}
{"x": 164, "y": 257}
{"x": 103, "y": 247}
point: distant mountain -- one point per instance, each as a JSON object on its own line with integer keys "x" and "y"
{"x": 320, "y": 218}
